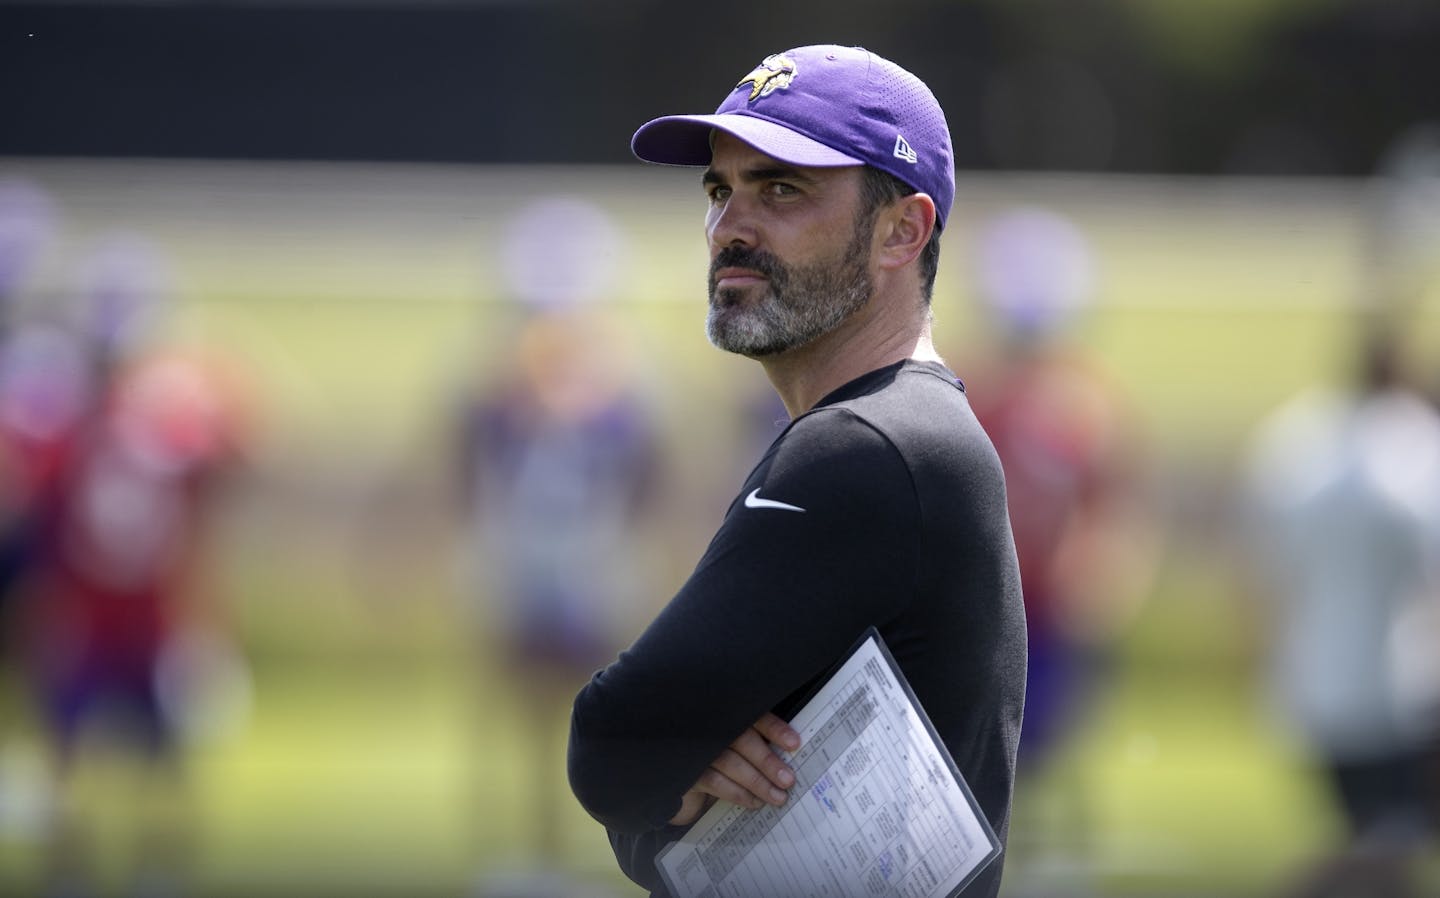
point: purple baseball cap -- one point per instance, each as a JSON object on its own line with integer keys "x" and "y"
{"x": 824, "y": 106}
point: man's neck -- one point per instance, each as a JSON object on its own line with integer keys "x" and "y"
{"x": 805, "y": 375}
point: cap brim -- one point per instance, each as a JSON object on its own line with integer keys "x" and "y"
{"x": 685, "y": 140}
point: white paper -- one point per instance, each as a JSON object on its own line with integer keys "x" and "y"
{"x": 878, "y": 807}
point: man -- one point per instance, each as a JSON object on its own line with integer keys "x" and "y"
{"x": 829, "y": 175}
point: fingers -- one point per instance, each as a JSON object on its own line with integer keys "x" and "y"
{"x": 715, "y": 781}
{"x": 754, "y": 758}
{"x": 692, "y": 805}
{"x": 777, "y": 731}
{"x": 754, "y": 747}
{"x": 756, "y": 770}
{"x": 734, "y": 778}
{"x": 749, "y": 773}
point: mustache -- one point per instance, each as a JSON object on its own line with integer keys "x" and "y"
{"x": 743, "y": 257}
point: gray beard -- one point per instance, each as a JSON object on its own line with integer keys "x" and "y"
{"x": 801, "y": 304}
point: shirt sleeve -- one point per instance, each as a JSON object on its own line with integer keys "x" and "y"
{"x": 776, "y": 599}
{"x": 635, "y": 854}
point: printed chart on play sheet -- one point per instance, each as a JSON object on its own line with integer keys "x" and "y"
{"x": 878, "y": 807}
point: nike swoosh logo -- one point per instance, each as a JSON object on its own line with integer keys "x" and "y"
{"x": 755, "y": 501}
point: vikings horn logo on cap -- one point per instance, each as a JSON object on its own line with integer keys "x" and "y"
{"x": 774, "y": 73}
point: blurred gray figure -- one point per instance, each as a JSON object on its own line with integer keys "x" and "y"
{"x": 1344, "y": 487}
{"x": 558, "y": 459}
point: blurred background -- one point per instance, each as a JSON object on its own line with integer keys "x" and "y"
{"x": 355, "y": 404}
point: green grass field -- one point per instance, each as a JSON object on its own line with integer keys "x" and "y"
{"x": 387, "y": 750}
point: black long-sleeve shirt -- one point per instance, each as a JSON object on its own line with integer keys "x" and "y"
{"x": 904, "y": 527}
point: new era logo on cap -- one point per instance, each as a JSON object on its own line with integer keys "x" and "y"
{"x": 904, "y": 151}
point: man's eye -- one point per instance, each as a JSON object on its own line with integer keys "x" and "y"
{"x": 780, "y": 188}
{"x": 719, "y": 194}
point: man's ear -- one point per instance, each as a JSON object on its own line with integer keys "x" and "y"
{"x": 908, "y": 224}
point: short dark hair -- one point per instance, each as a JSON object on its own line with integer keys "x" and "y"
{"x": 880, "y": 188}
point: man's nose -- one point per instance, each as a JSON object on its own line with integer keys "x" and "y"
{"x": 732, "y": 223}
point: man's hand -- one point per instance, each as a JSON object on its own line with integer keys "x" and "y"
{"x": 748, "y": 773}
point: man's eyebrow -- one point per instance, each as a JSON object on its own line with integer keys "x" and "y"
{"x": 767, "y": 173}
